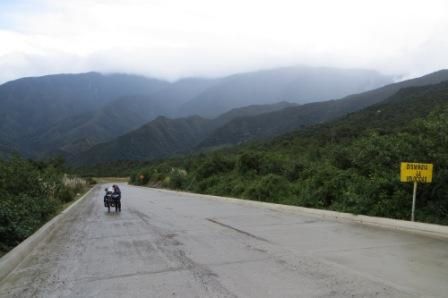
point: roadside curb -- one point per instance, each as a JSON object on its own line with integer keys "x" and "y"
{"x": 13, "y": 258}
{"x": 426, "y": 229}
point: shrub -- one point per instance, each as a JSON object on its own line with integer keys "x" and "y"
{"x": 66, "y": 195}
{"x": 216, "y": 164}
{"x": 249, "y": 162}
{"x": 31, "y": 193}
{"x": 270, "y": 188}
{"x": 141, "y": 178}
{"x": 178, "y": 178}
{"x": 91, "y": 181}
{"x": 21, "y": 215}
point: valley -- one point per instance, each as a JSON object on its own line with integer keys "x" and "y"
{"x": 68, "y": 114}
{"x": 223, "y": 148}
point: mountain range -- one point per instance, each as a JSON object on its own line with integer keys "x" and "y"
{"x": 69, "y": 114}
{"x": 32, "y": 109}
{"x": 279, "y": 122}
{"x": 293, "y": 84}
{"x": 163, "y": 137}
{"x": 350, "y": 164}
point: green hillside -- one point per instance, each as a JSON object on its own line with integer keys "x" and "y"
{"x": 42, "y": 114}
{"x": 349, "y": 165}
{"x": 254, "y": 122}
{"x": 269, "y": 125}
{"x": 159, "y": 138}
{"x": 163, "y": 137}
{"x": 67, "y": 114}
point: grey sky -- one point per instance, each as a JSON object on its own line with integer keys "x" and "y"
{"x": 175, "y": 38}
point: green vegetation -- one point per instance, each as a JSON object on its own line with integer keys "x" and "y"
{"x": 350, "y": 165}
{"x": 109, "y": 169}
{"x": 165, "y": 138}
{"x": 162, "y": 137}
{"x": 68, "y": 114}
{"x": 31, "y": 193}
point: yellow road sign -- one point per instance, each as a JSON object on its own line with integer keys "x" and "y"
{"x": 416, "y": 172}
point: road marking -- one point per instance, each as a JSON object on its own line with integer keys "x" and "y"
{"x": 237, "y": 230}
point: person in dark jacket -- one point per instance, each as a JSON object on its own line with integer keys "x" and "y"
{"x": 117, "y": 195}
{"x": 116, "y": 190}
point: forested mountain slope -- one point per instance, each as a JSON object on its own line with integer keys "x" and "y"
{"x": 67, "y": 114}
{"x": 350, "y": 165}
{"x": 31, "y": 107}
{"x": 163, "y": 137}
{"x": 240, "y": 125}
{"x": 268, "y": 125}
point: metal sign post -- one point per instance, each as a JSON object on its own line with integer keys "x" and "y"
{"x": 415, "y": 172}
{"x": 414, "y": 196}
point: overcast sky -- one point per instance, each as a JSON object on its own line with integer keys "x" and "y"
{"x": 177, "y": 38}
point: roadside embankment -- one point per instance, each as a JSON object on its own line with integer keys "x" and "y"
{"x": 14, "y": 257}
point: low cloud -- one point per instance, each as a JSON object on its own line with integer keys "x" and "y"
{"x": 172, "y": 39}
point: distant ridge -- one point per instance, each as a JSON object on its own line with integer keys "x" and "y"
{"x": 238, "y": 126}
{"x": 164, "y": 137}
{"x": 30, "y": 107}
{"x": 298, "y": 84}
{"x": 68, "y": 114}
{"x": 289, "y": 119}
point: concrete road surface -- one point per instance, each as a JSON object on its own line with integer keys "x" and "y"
{"x": 166, "y": 244}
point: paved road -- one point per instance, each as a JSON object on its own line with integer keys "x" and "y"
{"x": 166, "y": 244}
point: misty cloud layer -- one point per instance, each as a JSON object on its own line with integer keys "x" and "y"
{"x": 174, "y": 38}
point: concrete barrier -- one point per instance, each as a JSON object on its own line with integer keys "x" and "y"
{"x": 432, "y": 230}
{"x": 13, "y": 258}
